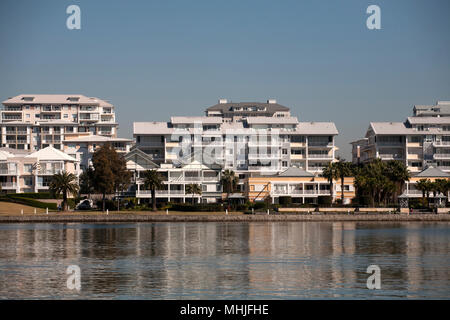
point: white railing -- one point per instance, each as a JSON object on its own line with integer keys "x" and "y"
{"x": 441, "y": 155}
{"x": 321, "y": 156}
{"x": 7, "y": 172}
{"x": 441, "y": 143}
{"x": 297, "y": 192}
{"x": 8, "y": 184}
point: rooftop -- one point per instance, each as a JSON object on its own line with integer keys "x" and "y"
{"x": 56, "y": 99}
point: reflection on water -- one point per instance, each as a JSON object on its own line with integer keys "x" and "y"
{"x": 291, "y": 260}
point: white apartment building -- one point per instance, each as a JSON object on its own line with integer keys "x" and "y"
{"x": 421, "y": 141}
{"x": 175, "y": 179}
{"x": 250, "y": 138}
{"x": 26, "y": 171}
{"x": 244, "y": 137}
{"x": 36, "y": 121}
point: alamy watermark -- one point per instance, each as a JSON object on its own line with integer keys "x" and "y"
{"x": 374, "y": 281}
{"x": 74, "y": 279}
{"x": 74, "y": 20}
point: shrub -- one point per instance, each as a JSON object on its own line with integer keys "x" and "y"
{"x": 29, "y": 202}
{"x": 259, "y": 205}
{"x": 285, "y": 200}
{"x": 324, "y": 200}
{"x": 196, "y": 207}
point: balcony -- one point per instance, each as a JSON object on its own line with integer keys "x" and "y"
{"x": 319, "y": 156}
{"x": 390, "y": 156}
{"x": 275, "y": 156}
{"x": 7, "y": 172}
{"x": 49, "y": 171}
{"x": 8, "y": 185}
{"x": 441, "y": 156}
{"x": 438, "y": 144}
{"x": 151, "y": 144}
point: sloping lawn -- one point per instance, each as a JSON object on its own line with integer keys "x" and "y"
{"x": 9, "y": 208}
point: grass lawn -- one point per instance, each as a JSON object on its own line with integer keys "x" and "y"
{"x": 14, "y": 209}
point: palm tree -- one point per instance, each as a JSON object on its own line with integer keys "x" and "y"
{"x": 193, "y": 189}
{"x": 424, "y": 185}
{"x": 153, "y": 181}
{"x": 330, "y": 173}
{"x": 344, "y": 169}
{"x": 64, "y": 183}
{"x": 229, "y": 182}
{"x": 398, "y": 173}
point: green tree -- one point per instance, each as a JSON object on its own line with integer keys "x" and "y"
{"x": 344, "y": 169}
{"x": 152, "y": 181}
{"x": 87, "y": 181}
{"x": 64, "y": 183}
{"x": 193, "y": 189}
{"x": 229, "y": 182}
{"x": 110, "y": 172}
{"x": 398, "y": 173}
{"x": 331, "y": 173}
{"x": 426, "y": 186}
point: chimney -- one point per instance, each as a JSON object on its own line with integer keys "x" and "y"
{"x": 223, "y": 101}
{"x": 271, "y": 101}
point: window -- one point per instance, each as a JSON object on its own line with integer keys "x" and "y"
{"x": 66, "y": 116}
{"x": 28, "y": 168}
{"x": 284, "y": 163}
{"x": 28, "y": 116}
{"x": 28, "y": 181}
{"x": 285, "y": 151}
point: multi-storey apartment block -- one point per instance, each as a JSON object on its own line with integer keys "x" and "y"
{"x": 249, "y": 138}
{"x": 26, "y": 171}
{"x": 421, "y": 141}
{"x": 32, "y": 122}
{"x": 244, "y": 137}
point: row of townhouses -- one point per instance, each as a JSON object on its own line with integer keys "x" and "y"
{"x": 272, "y": 153}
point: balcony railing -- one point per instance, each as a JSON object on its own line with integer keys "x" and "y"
{"x": 321, "y": 156}
{"x": 441, "y": 155}
{"x": 50, "y": 171}
{"x": 8, "y": 184}
{"x": 8, "y": 171}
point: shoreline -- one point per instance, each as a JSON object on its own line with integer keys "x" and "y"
{"x": 53, "y": 218}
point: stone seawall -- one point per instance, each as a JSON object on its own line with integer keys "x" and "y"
{"x": 220, "y": 218}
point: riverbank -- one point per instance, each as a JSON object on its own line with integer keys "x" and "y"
{"x": 213, "y": 217}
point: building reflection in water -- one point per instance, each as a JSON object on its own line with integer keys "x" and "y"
{"x": 225, "y": 260}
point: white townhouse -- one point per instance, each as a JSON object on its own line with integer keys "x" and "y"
{"x": 421, "y": 141}
{"x": 25, "y": 171}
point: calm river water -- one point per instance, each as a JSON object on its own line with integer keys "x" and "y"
{"x": 275, "y": 260}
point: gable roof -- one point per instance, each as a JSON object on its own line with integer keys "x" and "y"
{"x": 295, "y": 172}
{"x": 96, "y": 138}
{"x": 50, "y": 153}
{"x": 432, "y": 172}
{"x": 136, "y": 153}
{"x": 5, "y": 155}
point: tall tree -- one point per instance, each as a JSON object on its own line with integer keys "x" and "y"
{"x": 110, "y": 171}
{"x": 344, "y": 169}
{"x": 330, "y": 172}
{"x": 152, "y": 181}
{"x": 87, "y": 181}
{"x": 193, "y": 189}
{"x": 229, "y": 182}
{"x": 64, "y": 183}
{"x": 425, "y": 185}
{"x": 398, "y": 173}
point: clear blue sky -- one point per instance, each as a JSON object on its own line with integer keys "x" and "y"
{"x": 155, "y": 59}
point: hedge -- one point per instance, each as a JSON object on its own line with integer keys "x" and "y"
{"x": 29, "y": 202}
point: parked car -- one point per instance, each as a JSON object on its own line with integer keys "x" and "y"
{"x": 86, "y": 204}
